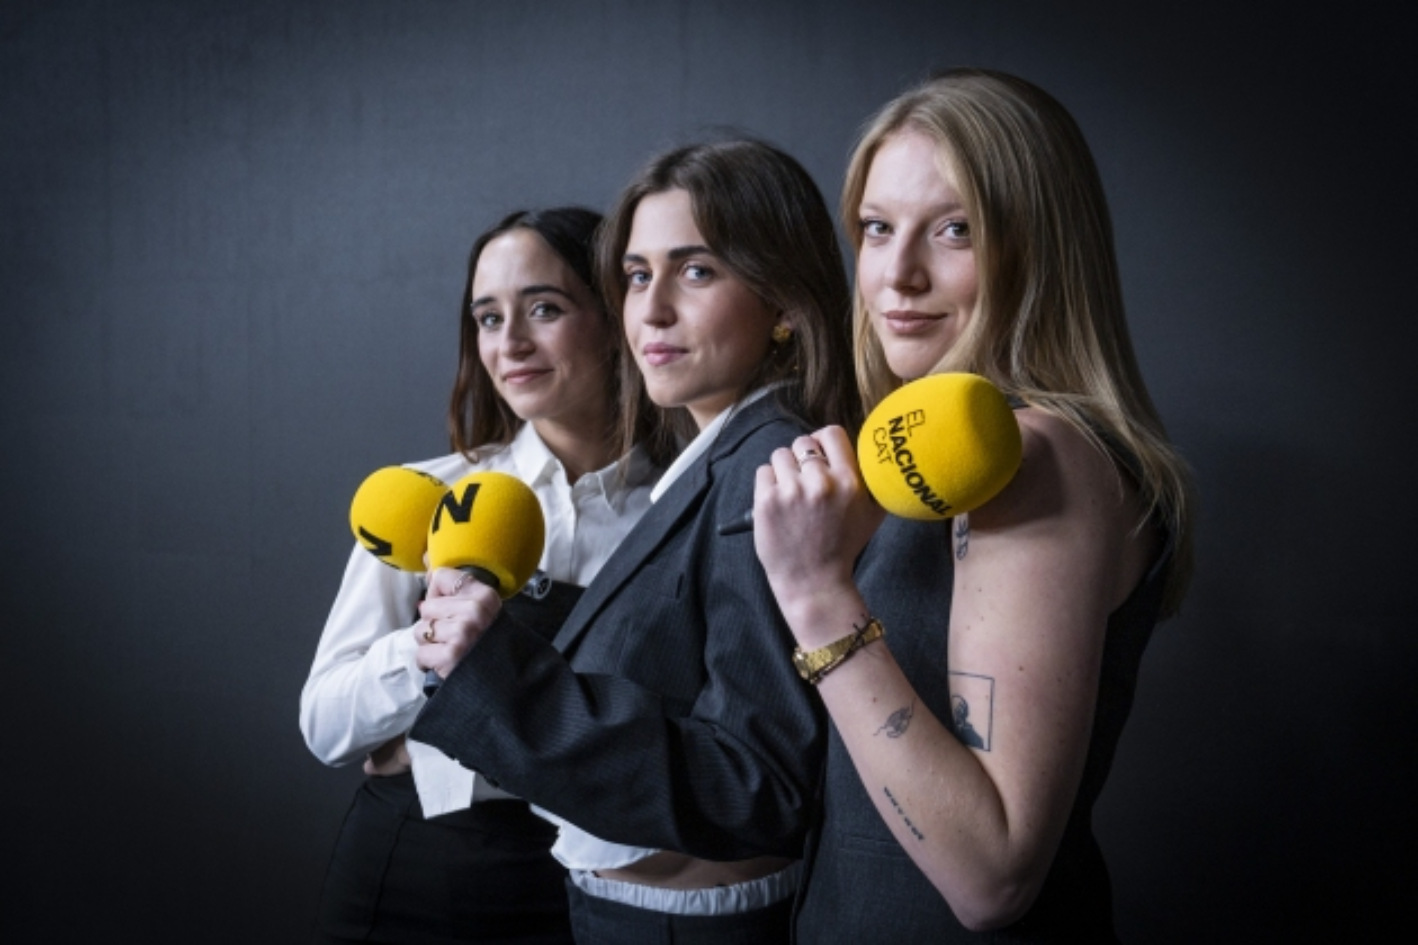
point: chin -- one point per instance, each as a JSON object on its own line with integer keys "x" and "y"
{"x": 663, "y": 396}
{"x": 911, "y": 361}
{"x": 528, "y": 408}
{"x": 910, "y": 368}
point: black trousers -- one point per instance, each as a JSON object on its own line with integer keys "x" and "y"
{"x": 479, "y": 875}
{"x": 599, "y": 921}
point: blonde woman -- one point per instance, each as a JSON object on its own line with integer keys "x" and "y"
{"x": 971, "y": 738}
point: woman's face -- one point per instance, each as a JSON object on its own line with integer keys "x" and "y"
{"x": 541, "y": 335}
{"x": 698, "y": 333}
{"x": 916, "y": 265}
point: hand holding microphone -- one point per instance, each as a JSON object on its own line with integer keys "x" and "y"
{"x": 937, "y": 447}
{"x": 485, "y": 540}
{"x": 488, "y": 526}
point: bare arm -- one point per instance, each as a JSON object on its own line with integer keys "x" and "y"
{"x": 1038, "y": 570}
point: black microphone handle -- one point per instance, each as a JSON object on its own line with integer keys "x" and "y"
{"x": 431, "y": 680}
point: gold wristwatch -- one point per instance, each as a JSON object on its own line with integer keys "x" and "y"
{"x": 814, "y": 664}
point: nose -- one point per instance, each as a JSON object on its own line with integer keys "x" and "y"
{"x": 905, "y": 270}
{"x": 517, "y": 339}
{"x": 654, "y": 304}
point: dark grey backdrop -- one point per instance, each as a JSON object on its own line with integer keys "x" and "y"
{"x": 231, "y": 237}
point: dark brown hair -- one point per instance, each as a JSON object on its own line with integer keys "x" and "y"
{"x": 477, "y": 416}
{"x": 764, "y": 218}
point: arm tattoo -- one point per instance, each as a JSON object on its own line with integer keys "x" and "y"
{"x": 962, "y": 537}
{"x": 972, "y": 709}
{"x": 898, "y": 721}
{"x": 915, "y": 831}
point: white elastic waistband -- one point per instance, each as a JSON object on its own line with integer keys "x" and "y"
{"x": 715, "y": 900}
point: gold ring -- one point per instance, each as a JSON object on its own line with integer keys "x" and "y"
{"x": 428, "y": 632}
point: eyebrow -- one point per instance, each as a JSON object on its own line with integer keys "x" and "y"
{"x": 524, "y": 292}
{"x": 675, "y": 255}
{"x": 946, "y": 206}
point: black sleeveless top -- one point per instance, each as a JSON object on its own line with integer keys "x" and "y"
{"x": 859, "y": 885}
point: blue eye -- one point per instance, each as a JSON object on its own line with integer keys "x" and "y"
{"x": 487, "y": 320}
{"x": 875, "y": 229}
{"x": 957, "y": 230}
{"x": 698, "y": 273}
{"x": 637, "y": 278}
{"x": 544, "y": 310}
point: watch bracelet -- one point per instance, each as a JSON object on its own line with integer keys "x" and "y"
{"x": 860, "y": 638}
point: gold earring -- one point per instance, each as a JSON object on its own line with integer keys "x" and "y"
{"x": 781, "y": 333}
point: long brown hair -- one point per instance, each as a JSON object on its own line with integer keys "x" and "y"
{"x": 1050, "y": 326}
{"x": 761, "y": 214}
{"x": 477, "y": 416}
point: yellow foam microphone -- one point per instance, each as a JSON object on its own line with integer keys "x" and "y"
{"x": 390, "y": 514}
{"x": 939, "y": 446}
{"x": 491, "y": 525}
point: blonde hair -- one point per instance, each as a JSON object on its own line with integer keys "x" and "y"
{"x": 1049, "y": 325}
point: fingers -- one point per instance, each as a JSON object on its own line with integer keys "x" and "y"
{"x": 784, "y": 466}
{"x": 808, "y": 453}
{"x": 837, "y": 447}
{"x": 449, "y": 582}
{"x": 803, "y": 461}
{"x": 453, "y": 623}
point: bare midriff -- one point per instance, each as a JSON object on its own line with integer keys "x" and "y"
{"x": 669, "y": 870}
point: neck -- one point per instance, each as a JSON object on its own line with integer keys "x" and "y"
{"x": 580, "y": 450}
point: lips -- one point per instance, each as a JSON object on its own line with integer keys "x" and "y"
{"x": 524, "y": 376}
{"x": 908, "y": 322}
{"x": 658, "y": 355}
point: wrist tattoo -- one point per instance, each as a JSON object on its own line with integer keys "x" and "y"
{"x": 898, "y": 721}
{"x": 900, "y": 811}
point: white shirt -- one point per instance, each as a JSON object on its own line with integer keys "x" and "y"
{"x": 365, "y": 685}
{"x": 575, "y": 848}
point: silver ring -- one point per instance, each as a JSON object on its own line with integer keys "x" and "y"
{"x": 463, "y": 578}
{"x": 809, "y": 455}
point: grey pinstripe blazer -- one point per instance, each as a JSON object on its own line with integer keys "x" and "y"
{"x": 667, "y": 713}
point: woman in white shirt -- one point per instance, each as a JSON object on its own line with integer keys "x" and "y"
{"x": 431, "y": 850}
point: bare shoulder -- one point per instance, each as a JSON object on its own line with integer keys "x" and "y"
{"x": 1062, "y": 474}
{"x": 1071, "y": 496}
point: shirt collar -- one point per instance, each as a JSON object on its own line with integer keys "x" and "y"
{"x": 531, "y": 458}
{"x": 536, "y": 464}
{"x": 700, "y": 444}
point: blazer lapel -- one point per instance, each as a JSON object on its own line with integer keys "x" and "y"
{"x": 644, "y": 539}
{"x": 661, "y": 521}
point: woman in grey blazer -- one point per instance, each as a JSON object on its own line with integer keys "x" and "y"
{"x": 664, "y": 725}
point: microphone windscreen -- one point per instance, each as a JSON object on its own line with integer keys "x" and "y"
{"x": 390, "y": 512}
{"x": 492, "y": 522}
{"x": 939, "y": 446}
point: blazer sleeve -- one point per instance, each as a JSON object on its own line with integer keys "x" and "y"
{"x": 693, "y": 731}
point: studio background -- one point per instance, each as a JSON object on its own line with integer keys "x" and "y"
{"x": 232, "y": 243}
